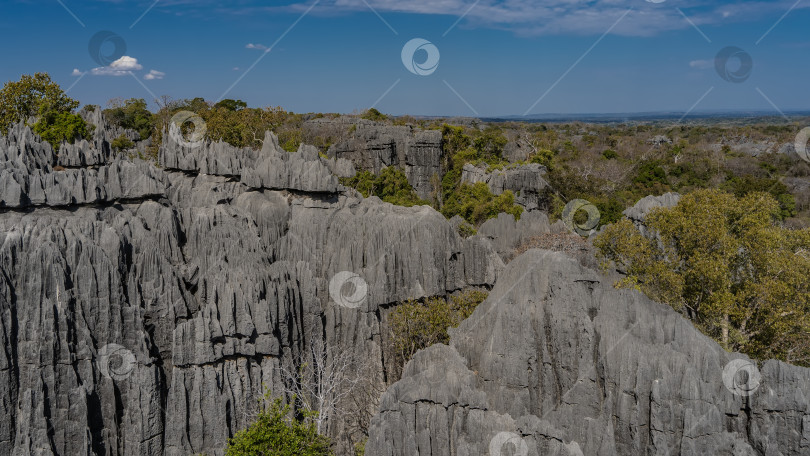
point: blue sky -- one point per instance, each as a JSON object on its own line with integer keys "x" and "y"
{"x": 502, "y": 57}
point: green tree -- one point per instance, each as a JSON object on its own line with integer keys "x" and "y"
{"x": 55, "y": 127}
{"x": 231, "y": 105}
{"x": 131, "y": 114}
{"x": 543, "y": 157}
{"x": 726, "y": 264}
{"x": 417, "y": 325}
{"x": 35, "y": 95}
{"x": 744, "y": 185}
{"x": 275, "y": 432}
{"x": 373, "y": 114}
{"x": 390, "y": 186}
{"x": 477, "y": 204}
{"x": 121, "y": 143}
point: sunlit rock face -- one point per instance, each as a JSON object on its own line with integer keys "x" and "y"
{"x": 145, "y": 309}
{"x": 558, "y": 362}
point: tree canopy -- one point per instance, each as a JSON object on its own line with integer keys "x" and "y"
{"x": 38, "y": 96}
{"x": 276, "y": 432}
{"x": 131, "y": 114}
{"x": 32, "y": 96}
{"x": 726, "y": 264}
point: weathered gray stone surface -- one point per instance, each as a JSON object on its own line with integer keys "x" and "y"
{"x": 525, "y": 181}
{"x": 639, "y": 211}
{"x": 302, "y": 171}
{"x": 144, "y": 310}
{"x": 371, "y": 146}
{"x": 507, "y": 234}
{"x": 558, "y": 362}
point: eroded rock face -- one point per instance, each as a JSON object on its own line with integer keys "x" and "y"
{"x": 372, "y": 146}
{"x": 144, "y": 310}
{"x": 638, "y": 213}
{"x": 526, "y": 182}
{"x": 557, "y": 362}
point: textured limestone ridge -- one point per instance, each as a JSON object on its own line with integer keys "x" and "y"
{"x": 638, "y": 213}
{"x": 23, "y": 149}
{"x": 373, "y": 146}
{"x": 120, "y": 180}
{"x": 303, "y": 171}
{"x": 204, "y": 156}
{"x": 525, "y": 181}
{"x": 566, "y": 364}
{"x": 104, "y": 131}
{"x": 83, "y": 153}
{"x": 153, "y": 323}
{"x": 507, "y": 234}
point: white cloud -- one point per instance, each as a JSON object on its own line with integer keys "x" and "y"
{"x": 120, "y": 67}
{"x": 551, "y": 17}
{"x": 76, "y": 72}
{"x": 258, "y": 46}
{"x": 701, "y": 64}
{"x": 154, "y": 74}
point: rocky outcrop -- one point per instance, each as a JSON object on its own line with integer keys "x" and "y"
{"x": 525, "y": 181}
{"x": 145, "y": 310}
{"x": 638, "y": 213}
{"x": 557, "y": 362}
{"x": 304, "y": 171}
{"x": 507, "y": 234}
{"x": 28, "y": 177}
{"x": 372, "y": 146}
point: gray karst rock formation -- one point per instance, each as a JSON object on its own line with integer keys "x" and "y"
{"x": 525, "y": 181}
{"x": 371, "y": 146}
{"x": 557, "y": 362}
{"x": 639, "y": 211}
{"x": 144, "y": 309}
{"x": 506, "y": 233}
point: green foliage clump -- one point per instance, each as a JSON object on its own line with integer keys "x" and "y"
{"x": 231, "y": 105}
{"x": 692, "y": 175}
{"x": 275, "y": 432}
{"x": 473, "y": 202}
{"x": 233, "y": 122}
{"x": 489, "y": 145}
{"x": 726, "y": 264}
{"x": 466, "y": 230}
{"x": 390, "y": 186}
{"x": 610, "y": 154}
{"x": 454, "y": 139}
{"x": 35, "y": 95}
{"x": 131, "y": 114}
{"x": 741, "y": 186}
{"x": 651, "y": 179}
{"x": 543, "y": 157}
{"x": 477, "y": 204}
{"x": 121, "y": 143}
{"x": 373, "y": 114}
{"x": 55, "y": 127}
{"x": 417, "y": 325}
